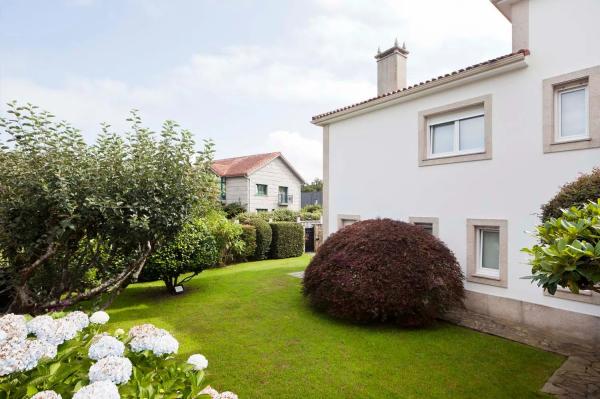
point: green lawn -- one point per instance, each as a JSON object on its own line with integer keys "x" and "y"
{"x": 263, "y": 341}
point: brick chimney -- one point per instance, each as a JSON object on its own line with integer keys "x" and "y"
{"x": 391, "y": 69}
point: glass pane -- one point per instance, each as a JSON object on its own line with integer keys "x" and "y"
{"x": 490, "y": 249}
{"x": 442, "y": 138}
{"x": 572, "y": 113}
{"x": 428, "y": 227}
{"x": 471, "y": 136}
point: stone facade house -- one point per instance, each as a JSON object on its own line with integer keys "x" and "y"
{"x": 471, "y": 156}
{"x": 261, "y": 182}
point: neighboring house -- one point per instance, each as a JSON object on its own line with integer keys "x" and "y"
{"x": 261, "y": 182}
{"x": 471, "y": 156}
{"x": 312, "y": 198}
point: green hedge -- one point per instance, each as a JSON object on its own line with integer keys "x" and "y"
{"x": 249, "y": 238}
{"x": 263, "y": 235}
{"x": 577, "y": 193}
{"x": 288, "y": 240}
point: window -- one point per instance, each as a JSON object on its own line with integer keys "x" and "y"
{"x": 261, "y": 210}
{"x": 429, "y": 224}
{"x": 283, "y": 195}
{"x": 571, "y": 111}
{"x": 488, "y": 244}
{"x": 487, "y": 251}
{"x": 457, "y": 132}
{"x": 347, "y": 220}
{"x": 261, "y": 189}
{"x": 464, "y": 135}
{"x": 223, "y": 189}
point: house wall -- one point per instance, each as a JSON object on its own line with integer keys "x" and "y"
{"x": 274, "y": 174}
{"x": 388, "y": 181}
{"x": 236, "y": 190}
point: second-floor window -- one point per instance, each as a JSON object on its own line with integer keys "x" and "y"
{"x": 572, "y": 112}
{"x": 223, "y": 188}
{"x": 261, "y": 189}
{"x": 283, "y": 195}
{"x": 457, "y": 133}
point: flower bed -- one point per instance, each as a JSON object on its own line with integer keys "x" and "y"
{"x": 71, "y": 356}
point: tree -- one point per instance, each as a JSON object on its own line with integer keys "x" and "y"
{"x": 193, "y": 250}
{"x": 315, "y": 185}
{"x": 70, "y": 210}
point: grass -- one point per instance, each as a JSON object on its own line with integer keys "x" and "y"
{"x": 263, "y": 341}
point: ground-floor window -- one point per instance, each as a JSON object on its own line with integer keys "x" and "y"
{"x": 487, "y": 251}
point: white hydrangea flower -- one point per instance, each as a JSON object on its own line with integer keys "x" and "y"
{"x": 41, "y": 326}
{"x": 59, "y": 331}
{"x": 98, "y": 390}
{"x": 228, "y": 395}
{"x": 105, "y": 346}
{"x": 198, "y": 361}
{"x": 80, "y": 319}
{"x": 210, "y": 391}
{"x": 148, "y": 337}
{"x": 50, "y": 351}
{"x": 2, "y": 335}
{"x": 111, "y": 368}
{"x": 99, "y": 317}
{"x": 119, "y": 332}
{"x": 46, "y": 395}
{"x": 14, "y": 328}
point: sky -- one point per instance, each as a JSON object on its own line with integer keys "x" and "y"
{"x": 248, "y": 74}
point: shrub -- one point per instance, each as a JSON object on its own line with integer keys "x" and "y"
{"x": 568, "y": 253}
{"x": 233, "y": 209}
{"x": 67, "y": 206}
{"x": 384, "y": 271}
{"x": 586, "y": 188}
{"x": 284, "y": 215}
{"x": 310, "y": 215}
{"x": 249, "y": 238}
{"x": 193, "y": 250}
{"x": 313, "y": 208}
{"x": 288, "y": 240}
{"x": 227, "y": 234}
{"x": 264, "y": 235}
{"x": 70, "y": 352}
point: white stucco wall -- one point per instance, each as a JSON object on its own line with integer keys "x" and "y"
{"x": 373, "y": 158}
{"x": 274, "y": 174}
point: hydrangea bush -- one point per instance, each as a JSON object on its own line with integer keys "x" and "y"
{"x": 71, "y": 356}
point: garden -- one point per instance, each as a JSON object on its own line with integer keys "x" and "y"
{"x": 122, "y": 276}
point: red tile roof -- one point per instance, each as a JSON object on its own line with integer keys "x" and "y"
{"x": 242, "y": 166}
{"x": 408, "y": 89}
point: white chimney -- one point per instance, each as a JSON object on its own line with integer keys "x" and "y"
{"x": 391, "y": 69}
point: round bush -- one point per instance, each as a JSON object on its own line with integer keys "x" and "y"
{"x": 577, "y": 193}
{"x": 249, "y": 238}
{"x": 264, "y": 234}
{"x": 384, "y": 271}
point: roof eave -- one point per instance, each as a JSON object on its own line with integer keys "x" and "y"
{"x": 513, "y": 62}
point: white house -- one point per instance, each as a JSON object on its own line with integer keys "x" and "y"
{"x": 471, "y": 155}
{"x": 261, "y": 182}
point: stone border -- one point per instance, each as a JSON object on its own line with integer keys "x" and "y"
{"x": 579, "y": 375}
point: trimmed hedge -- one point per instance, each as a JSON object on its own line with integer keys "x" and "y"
{"x": 577, "y": 193}
{"x": 263, "y": 235}
{"x": 288, "y": 240}
{"x": 249, "y": 238}
{"x": 384, "y": 271}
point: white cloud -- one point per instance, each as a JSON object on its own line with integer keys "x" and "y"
{"x": 304, "y": 153}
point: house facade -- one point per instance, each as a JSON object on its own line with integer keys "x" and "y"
{"x": 261, "y": 182}
{"x": 471, "y": 156}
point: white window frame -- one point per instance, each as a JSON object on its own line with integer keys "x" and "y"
{"x": 558, "y": 137}
{"x": 485, "y": 271}
{"x": 455, "y": 117}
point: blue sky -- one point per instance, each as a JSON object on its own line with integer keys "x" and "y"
{"x": 249, "y": 74}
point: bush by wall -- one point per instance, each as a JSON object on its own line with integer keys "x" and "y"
{"x": 249, "y": 238}
{"x": 288, "y": 240}
{"x": 227, "y": 234}
{"x": 233, "y": 209}
{"x": 264, "y": 235}
{"x": 384, "y": 271}
{"x": 577, "y": 193}
{"x": 284, "y": 215}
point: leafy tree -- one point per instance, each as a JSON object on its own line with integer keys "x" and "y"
{"x": 193, "y": 250}
{"x": 68, "y": 209}
{"x": 314, "y": 186}
{"x": 233, "y": 209}
{"x": 228, "y": 236}
{"x": 568, "y": 253}
{"x": 576, "y": 193}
